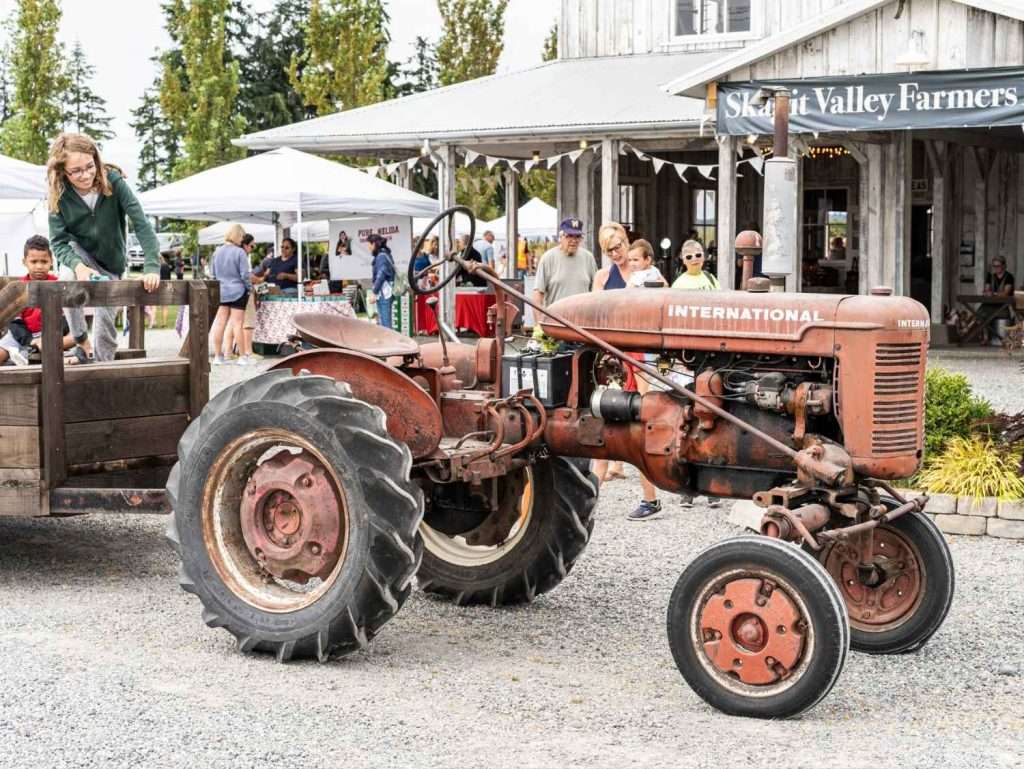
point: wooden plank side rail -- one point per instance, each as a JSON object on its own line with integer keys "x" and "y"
{"x": 52, "y": 297}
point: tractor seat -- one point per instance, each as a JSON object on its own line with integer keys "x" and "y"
{"x": 353, "y": 334}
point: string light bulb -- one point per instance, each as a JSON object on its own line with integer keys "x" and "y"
{"x": 584, "y": 144}
{"x": 828, "y": 152}
{"x": 536, "y": 156}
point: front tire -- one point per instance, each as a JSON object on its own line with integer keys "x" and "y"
{"x": 294, "y": 516}
{"x": 899, "y": 609}
{"x": 555, "y": 519}
{"x": 757, "y": 628}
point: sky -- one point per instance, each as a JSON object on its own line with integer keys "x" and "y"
{"x": 120, "y": 36}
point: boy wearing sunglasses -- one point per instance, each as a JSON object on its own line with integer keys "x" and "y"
{"x": 695, "y": 278}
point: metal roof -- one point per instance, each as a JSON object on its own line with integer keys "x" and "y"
{"x": 566, "y": 98}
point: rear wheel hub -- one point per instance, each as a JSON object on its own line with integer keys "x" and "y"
{"x": 291, "y": 518}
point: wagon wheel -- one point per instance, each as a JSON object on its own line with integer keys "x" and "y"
{"x": 757, "y": 628}
{"x": 294, "y": 516}
{"x": 900, "y": 599}
{"x": 415, "y": 277}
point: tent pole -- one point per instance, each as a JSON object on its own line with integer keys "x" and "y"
{"x": 299, "y": 239}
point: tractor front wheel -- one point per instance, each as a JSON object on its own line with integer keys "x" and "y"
{"x": 757, "y": 628}
{"x": 514, "y": 554}
{"x": 294, "y": 516}
{"x": 899, "y": 600}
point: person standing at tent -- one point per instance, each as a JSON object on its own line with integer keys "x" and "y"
{"x": 88, "y": 204}
{"x": 383, "y": 277}
{"x": 230, "y": 266}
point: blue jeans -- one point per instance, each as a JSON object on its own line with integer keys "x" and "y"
{"x": 384, "y": 311}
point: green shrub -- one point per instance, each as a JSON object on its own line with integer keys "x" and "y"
{"x": 951, "y": 410}
{"x": 975, "y": 467}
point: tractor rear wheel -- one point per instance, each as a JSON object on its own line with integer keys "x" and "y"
{"x": 757, "y": 628}
{"x": 294, "y": 516}
{"x": 545, "y": 529}
{"x": 897, "y": 605}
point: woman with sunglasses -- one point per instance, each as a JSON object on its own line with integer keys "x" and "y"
{"x": 88, "y": 203}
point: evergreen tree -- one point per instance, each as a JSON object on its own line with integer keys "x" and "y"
{"x": 39, "y": 81}
{"x": 267, "y": 97}
{"x": 198, "y": 94}
{"x": 345, "y": 63}
{"x": 470, "y": 46}
{"x": 471, "y": 40}
{"x": 420, "y": 71}
{"x": 85, "y": 111}
{"x": 159, "y": 147}
{"x": 550, "y": 52}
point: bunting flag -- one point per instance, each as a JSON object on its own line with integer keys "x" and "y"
{"x": 658, "y": 165}
{"x": 411, "y": 163}
{"x": 492, "y": 162}
{"x": 681, "y": 170}
{"x": 392, "y": 167}
{"x": 529, "y": 164}
{"x": 707, "y": 171}
{"x": 553, "y": 161}
{"x": 471, "y": 156}
{"x": 757, "y": 164}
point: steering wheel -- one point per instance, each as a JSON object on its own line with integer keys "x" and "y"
{"x": 415, "y": 277}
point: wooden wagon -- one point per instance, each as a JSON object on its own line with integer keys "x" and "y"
{"x": 100, "y": 437}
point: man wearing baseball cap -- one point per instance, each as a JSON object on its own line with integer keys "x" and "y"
{"x": 567, "y": 269}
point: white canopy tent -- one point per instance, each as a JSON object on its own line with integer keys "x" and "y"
{"x": 20, "y": 180}
{"x": 213, "y": 235}
{"x": 19, "y": 220}
{"x": 280, "y": 188}
{"x": 536, "y": 220}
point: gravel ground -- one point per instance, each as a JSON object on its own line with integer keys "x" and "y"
{"x": 992, "y": 373}
{"x": 105, "y": 662}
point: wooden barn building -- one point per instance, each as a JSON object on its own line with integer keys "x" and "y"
{"x": 907, "y": 123}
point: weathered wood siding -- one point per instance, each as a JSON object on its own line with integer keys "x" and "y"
{"x": 954, "y": 35}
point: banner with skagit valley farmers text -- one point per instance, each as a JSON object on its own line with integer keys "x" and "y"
{"x": 889, "y": 102}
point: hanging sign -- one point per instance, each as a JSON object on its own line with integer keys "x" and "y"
{"x": 919, "y": 100}
{"x": 358, "y": 265}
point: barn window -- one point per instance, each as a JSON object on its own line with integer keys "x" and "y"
{"x": 712, "y": 17}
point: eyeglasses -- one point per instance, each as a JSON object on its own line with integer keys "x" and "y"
{"x": 616, "y": 247}
{"x": 84, "y": 171}
{"x": 691, "y": 257}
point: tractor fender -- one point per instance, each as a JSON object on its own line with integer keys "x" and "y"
{"x": 413, "y": 417}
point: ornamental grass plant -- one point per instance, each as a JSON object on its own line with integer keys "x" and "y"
{"x": 975, "y": 467}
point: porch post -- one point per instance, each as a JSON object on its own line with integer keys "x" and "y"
{"x": 983, "y": 162}
{"x": 903, "y": 156}
{"x": 938, "y": 159}
{"x": 873, "y": 259}
{"x": 726, "y": 219}
{"x": 609, "y": 182}
{"x": 511, "y": 221}
{"x": 446, "y": 193}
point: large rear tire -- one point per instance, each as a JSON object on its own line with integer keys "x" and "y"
{"x": 757, "y": 628}
{"x": 294, "y": 516}
{"x": 553, "y": 525}
{"x": 898, "y": 607}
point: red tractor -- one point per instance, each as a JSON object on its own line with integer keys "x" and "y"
{"x": 307, "y": 499}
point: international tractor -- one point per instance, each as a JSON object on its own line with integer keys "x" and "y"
{"x": 309, "y": 500}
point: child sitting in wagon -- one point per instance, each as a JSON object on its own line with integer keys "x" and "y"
{"x": 23, "y": 335}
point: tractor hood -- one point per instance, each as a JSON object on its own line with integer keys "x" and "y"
{"x": 675, "y": 319}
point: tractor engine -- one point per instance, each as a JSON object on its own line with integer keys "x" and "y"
{"x": 845, "y": 373}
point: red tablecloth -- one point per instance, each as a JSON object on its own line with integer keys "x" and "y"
{"x": 470, "y": 314}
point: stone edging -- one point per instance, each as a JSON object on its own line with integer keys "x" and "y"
{"x": 986, "y": 516}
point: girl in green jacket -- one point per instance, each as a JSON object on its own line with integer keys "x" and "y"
{"x": 88, "y": 203}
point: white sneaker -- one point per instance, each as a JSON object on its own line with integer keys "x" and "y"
{"x": 244, "y": 360}
{"x": 219, "y": 361}
{"x": 18, "y": 358}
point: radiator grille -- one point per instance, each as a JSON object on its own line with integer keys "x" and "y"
{"x": 896, "y": 413}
